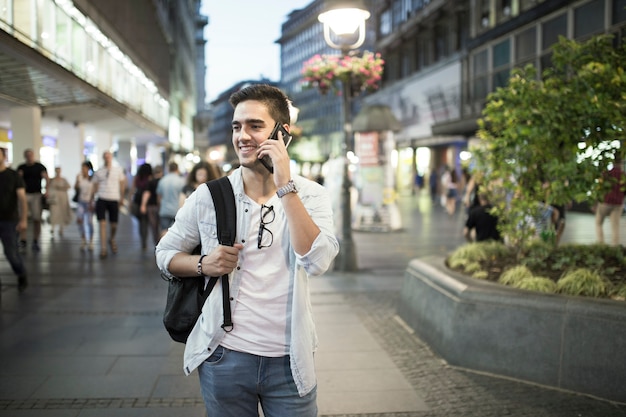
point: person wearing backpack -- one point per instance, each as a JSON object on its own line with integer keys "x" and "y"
{"x": 284, "y": 235}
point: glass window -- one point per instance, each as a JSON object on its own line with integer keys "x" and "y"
{"x": 78, "y": 50}
{"x": 481, "y": 88}
{"x": 398, "y": 16}
{"x": 525, "y": 44}
{"x": 385, "y": 23}
{"x": 552, "y": 29}
{"x": 500, "y": 79}
{"x": 47, "y": 34}
{"x": 502, "y": 54}
{"x": 480, "y": 63}
{"x": 504, "y": 10}
{"x": 6, "y": 14}
{"x": 589, "y": 19}
{"x": 23, "y": 21}
{"x": 64, "y": 39}
{"x": 619, "y": 11}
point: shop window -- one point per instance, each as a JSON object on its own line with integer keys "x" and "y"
{"x": 552, "y": 29}
{"x": 589, "y": 19}
{"x": 526, "y": 45}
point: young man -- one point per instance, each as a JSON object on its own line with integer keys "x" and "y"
{"x": 285, "y": 234}
{"x": 109, "y": 184}
{"x": 13, "y": 215}
{"x": 33, "y": 173}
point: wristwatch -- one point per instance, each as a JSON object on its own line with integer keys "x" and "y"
{"x": 289, "y": 188}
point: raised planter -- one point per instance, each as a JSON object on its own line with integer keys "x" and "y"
{"x": 573, "y": 343}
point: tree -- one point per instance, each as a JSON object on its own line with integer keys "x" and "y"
{"x": 549, "y": 139}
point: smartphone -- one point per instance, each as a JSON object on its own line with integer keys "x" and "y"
{"x": 266, "y": 160}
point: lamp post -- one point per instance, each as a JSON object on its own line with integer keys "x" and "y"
{"x": 344, "y": 29}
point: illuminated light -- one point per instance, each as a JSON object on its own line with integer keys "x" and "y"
{"x": 465, "y": 155}
{"x": 344, "y": 21}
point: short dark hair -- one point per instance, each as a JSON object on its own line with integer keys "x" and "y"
{"x": 172, "y": 167}
{"x": 273, "y": 98}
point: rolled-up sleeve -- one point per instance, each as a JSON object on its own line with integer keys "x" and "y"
{"x": 325, "y": 247}
{"x": 183, "y": 236}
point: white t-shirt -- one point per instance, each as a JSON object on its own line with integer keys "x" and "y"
{"x": 261, "y": 318}
{"x": 109, "y": 182}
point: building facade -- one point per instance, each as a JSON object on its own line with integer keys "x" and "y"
{"x": 442, "y": 59}
{"x": 81, "y": 77}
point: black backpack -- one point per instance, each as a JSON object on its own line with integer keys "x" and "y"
{"x": 186, "y": 296}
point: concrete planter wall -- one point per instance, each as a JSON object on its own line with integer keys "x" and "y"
{"x": 573, "y": 343}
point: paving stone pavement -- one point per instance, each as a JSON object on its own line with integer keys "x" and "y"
{"x": 85, "y": 339}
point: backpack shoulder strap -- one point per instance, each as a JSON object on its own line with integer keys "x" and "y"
{"x": 226, "y": 216}
{"x": 225, "y": 210}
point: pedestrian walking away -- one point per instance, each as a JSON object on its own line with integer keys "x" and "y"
{"x": 285, "y": 235}
{"x": 13, "y": 217}
{"x": 84, "y": 211}
{"x": 109, "y": 184}
{"x": 33, "y": 173}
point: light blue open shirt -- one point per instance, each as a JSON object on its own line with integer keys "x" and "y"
{"x": 195, "y": 222}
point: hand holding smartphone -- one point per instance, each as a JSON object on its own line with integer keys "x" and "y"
{"x": 266, "y": 160}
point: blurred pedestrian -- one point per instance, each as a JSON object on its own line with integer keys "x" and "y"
{"x": 481, "y": 225}
{"x": 450, "y": 184}
{"x": 433, "y": 180}
{"x": 202, "y": 172}
{"x": 150, "y": 204}
{"x": 139, "y": 186}
{"x": 613, "y": 203}
{"x": 13, "y": 217}
{"x": 60, "y": 210}
{"x": 168, "y": 196}
{"x": 109, "y": 185}
{"x": 84, "y": 211}
{"x": 33, "y": 173}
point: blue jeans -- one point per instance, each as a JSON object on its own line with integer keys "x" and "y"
{"x": 8, "y": 235}
{"x": 233, "y": 383}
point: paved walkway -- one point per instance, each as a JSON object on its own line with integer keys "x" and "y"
{"x": 86, "y": 338}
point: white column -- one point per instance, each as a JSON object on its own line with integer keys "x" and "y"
{"x": 26, "y": 130}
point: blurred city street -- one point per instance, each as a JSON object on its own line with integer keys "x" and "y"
{"x": 86, "y": 339}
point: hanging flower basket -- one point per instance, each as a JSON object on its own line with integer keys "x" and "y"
{"x": 363, "y": 73}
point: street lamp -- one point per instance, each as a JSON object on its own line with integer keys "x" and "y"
{"x": 344, "y": 29}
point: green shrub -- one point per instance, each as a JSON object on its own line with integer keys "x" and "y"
{"x": 475, "y": 253}
{"x": 480, "y": 275}
{"x": 514, "y": 275}
{"x": 583, "y": 281}
{"x": 472, "y": 267}
{"x": 540, "y": 284}
{"x": 619, "y": 293}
